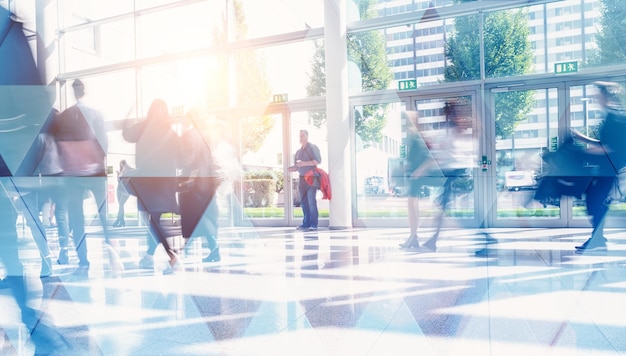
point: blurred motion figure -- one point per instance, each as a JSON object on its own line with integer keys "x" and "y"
{"x": 158, "y": 156}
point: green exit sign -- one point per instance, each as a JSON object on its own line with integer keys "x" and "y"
{"x": 566, "y": 67}
{"x": 280, "y": 98}
{"x": 410, "y": 84}
{"x": 554, "y": 143}
{"x": 402, "y": 151}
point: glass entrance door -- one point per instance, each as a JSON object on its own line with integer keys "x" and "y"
{"x": 381, "y": 181}
{"x": 267, "y": 194}
{"x": 450, "y": 128}
{"x": 257, "y": 196}
{"x": 525, "y": 125}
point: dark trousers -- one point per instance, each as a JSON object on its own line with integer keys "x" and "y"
{"x": 308, "y": 203}
{"x": 596, "y": 195}
{"x": 155, "y": 197}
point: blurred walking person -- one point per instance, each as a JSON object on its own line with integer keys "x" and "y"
{"x": 454, "y": 154}
{"x": 82, "y": 143}
{"x": 610, "y": 150}
{"x": 155, "y": 182}
{"x": 122, "y": 193}
{"x": 417, "y": 155}
{"x": 200, "y": 179}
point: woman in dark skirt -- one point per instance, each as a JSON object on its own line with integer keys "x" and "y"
{"x": 157, "y": 156}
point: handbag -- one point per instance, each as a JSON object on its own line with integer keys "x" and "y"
{"x": 312, "y": 178}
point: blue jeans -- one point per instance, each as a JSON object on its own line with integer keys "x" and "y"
{"x": 308, "y": 203}
{"x": 70, "y": 214}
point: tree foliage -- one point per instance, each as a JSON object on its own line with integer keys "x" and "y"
{"x": 368, "y": 51}
{"x": 251, "y": 84}
{"x": 611, "y": 37}
{"x": 508, "y": 52}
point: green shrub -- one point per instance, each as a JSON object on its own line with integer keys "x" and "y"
{"x": 280, "y": 181}
{"x": 259, "y": 192}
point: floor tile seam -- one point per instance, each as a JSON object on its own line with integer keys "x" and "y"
{"x": 588, "y": 315}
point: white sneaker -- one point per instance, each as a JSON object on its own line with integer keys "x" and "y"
{"x": 117, "y": 266}
{"x": 177, "y": 267}
{"x": 147, "y": 262}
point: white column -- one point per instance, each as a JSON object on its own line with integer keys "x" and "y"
{"x": 47, "y": 49}
{"x": 338, "y": 114}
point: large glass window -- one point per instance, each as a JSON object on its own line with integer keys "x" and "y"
{"x": 184, "y": 83}
{"x": 380, "y": 181}
{"x": 417, "y": 52}
{"x": 183, "y": 28}
{"x": 519, "y": 151}
{"x": 292, "y": 69}
{"x": 98, "y": 45}
{"x": 272, "y": 17}
{"x": 453, "y": 144}
{"x": 261, "y": 144}
{"x": 76, "y": 12}
{"x": 397, "y": 7}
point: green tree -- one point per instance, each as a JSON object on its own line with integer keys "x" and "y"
{"x": 611, "y": 37}
{"x": 508, "y": 52}
{"x": 368, "y": 51}
{"x": 251, "y": 84}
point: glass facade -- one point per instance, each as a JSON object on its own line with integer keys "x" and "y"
{"x": 430, "y": 115}
{"x": 235, "y": 60}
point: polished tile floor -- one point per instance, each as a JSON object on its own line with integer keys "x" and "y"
{"x": 278, "y": 291}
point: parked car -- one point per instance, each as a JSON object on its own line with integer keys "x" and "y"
{"x": 375, "y": 185}
{"x": 520, "y": 180}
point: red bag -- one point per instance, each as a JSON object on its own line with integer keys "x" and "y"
{"x": 79, "y": 150}
{"x": 81, "y": 158}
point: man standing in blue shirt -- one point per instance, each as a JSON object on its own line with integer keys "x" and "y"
{"x": 307, "y": 158}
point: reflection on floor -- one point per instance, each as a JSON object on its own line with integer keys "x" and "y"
{"x": 278, "y": 291}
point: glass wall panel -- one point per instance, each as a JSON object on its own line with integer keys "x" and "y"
{"x": 565, "y": 36}
{"x": 570, "y": 33}
{"x": 184, "y": 83}
{"x": 261, "y": 142}
{"x": 113, "y": 94}
{"x": 76, "y": 12}
{"x": 455, "y": 148}
{"x": 106, "y": 43}
{"x": 292, "y": 69}
{"x": 178, "y": 29}
{"x": 396, "y": 7}
{"x": 557, "y": 37}
{"x": 380, "y": 180}
{"x": 518, "y": 160}
{"x": 417, "y": 52}
{"x": 273, "y": 17}
{"x": 538, "y": 38}
{"x": 146, "y": 4}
